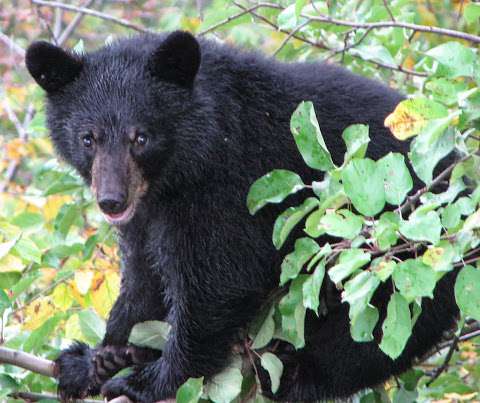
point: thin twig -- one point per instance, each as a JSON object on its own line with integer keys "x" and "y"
{"x": 385, "y": 24}
{"x": 444, "y": 174}
{"x": 12, "y": 45}
{"x": 70, "y": 28}
{"x": 442, "y": 368}
{"x": 229, "y": 19}
{"x": 322, "y": 46}
{"x": 385, "y": 3}
{"x": 93, "y": 13}
{"x": 290, "y": 36}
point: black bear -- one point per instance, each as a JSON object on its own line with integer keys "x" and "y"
{"x": 170, "y": 132}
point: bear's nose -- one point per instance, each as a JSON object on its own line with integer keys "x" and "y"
{"x": 113, "y": 204}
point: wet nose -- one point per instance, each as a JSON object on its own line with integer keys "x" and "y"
{"x": 113, "y": 204}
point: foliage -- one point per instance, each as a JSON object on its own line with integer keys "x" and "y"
{"x": 58, "y": 259}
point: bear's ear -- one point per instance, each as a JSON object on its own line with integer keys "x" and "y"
{"x": 177, "y": 59}
{"x": 50, "y": 66}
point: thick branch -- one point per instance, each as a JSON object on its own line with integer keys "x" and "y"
{"x": 94, "y": 13}
{"x": 35, "y": 397}
{"x": 27, "y": 361}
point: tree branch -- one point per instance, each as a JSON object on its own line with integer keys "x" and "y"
{"x": 93, "y": 13}
{"x": 12, "y": 45}
{"x": 35, "y": 397}
{"x": 444, "y": 174}
{"x": 320, "y": 45}
{"x": 73, "y": 24}
{"x": 385, "y": 24}
{"x": 27, "y": 361}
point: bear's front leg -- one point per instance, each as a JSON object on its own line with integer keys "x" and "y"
{"x": 199, "y": 344}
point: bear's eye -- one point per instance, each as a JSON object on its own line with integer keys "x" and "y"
{"x": 88, "y": 140}
{"x": 141, "y": 139}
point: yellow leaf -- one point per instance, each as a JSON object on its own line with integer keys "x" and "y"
{"x": 411, "y": 116}
{"x": 37, "y": 312}
{"x": 62, "y": 297}
{"x": 105, "y": 290}
{"x": 72, "y": 328}
{"x": 53, "y": 205}
{"x": 79, "y": 298}
{"x": 83, "y": 280}
{"x": 459, "y": 397}
{"x": 11, "y": 263}
{"x": 433, "y": 256}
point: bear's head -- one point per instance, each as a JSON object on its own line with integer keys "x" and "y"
{"x": 116, "y": 114}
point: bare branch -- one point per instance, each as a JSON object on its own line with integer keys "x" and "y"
{"x": 385, "y": 3}
{"x": 320, "y": 45}
{"x": 385, "y": 24}
{"x": 63, "y": 37}
{"x": 229, "y": 19}
{"x": 27, "y": 361}
{"x": 12, "y": 45}
{"x": 93, "y": 13}
{"x": 289, "y": 36}
{"x": 444, "y": 174}
{"x": 446, "y": 361}
{"x": 35, "y": 397}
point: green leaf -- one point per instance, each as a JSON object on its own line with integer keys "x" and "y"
{"x": 225, "y": 386}
{"x": 422, "y": 227}
{"x": 363, "y": 324}
{"x": 472, "y": 13}
{"x": 359, "y": 290}
{"x": 4, "y": 302}
{"x": 39, "y": 336}
{"x": 305, "y": 248}
{"x": 286, "y": 221}
{"x": 348, "y": 261}
{"x": 9, "y": 278}
{"x": 273, "y": 187}
{"x": 92, "y": 326}
{"x": 356, "y": 139}
{"x": 151, "y": 334}
{"x": 455, "y": 60}
{"x": 467, "y": 291}
{"x": 272, "y": 364}
{"x": 293, "y": 314}
{"x": 28, "y": 250}
{"x": 397, "y": 179}
{"x": 68, "y": 215}
{"x": 446, "y": 90}
{"x": 299, "y": 4}
{"x": 309, "y": 139}
{"x": 383, "y": 269}
{"x": 265, "y": 332}
{"x": 311, "y": 288}
{"x": 341, "y": 223}
{"x": 28, "y": 220}
{"x": 376, "y": 53}
{"x": 451, "y": 216}
{"x": 397, "y": 326}
{"x": 386, "y": 230}
{"x": 190, "y": 391}
{"x": 363, "y": 183}
{"x": 414, "y": 279}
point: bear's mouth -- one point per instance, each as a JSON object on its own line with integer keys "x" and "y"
{"x": 121, "y": 218}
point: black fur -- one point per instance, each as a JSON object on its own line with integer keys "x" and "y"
{"x": 192, "y": 254}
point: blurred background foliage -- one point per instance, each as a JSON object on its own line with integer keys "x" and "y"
{"x": 59, "y": 271}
